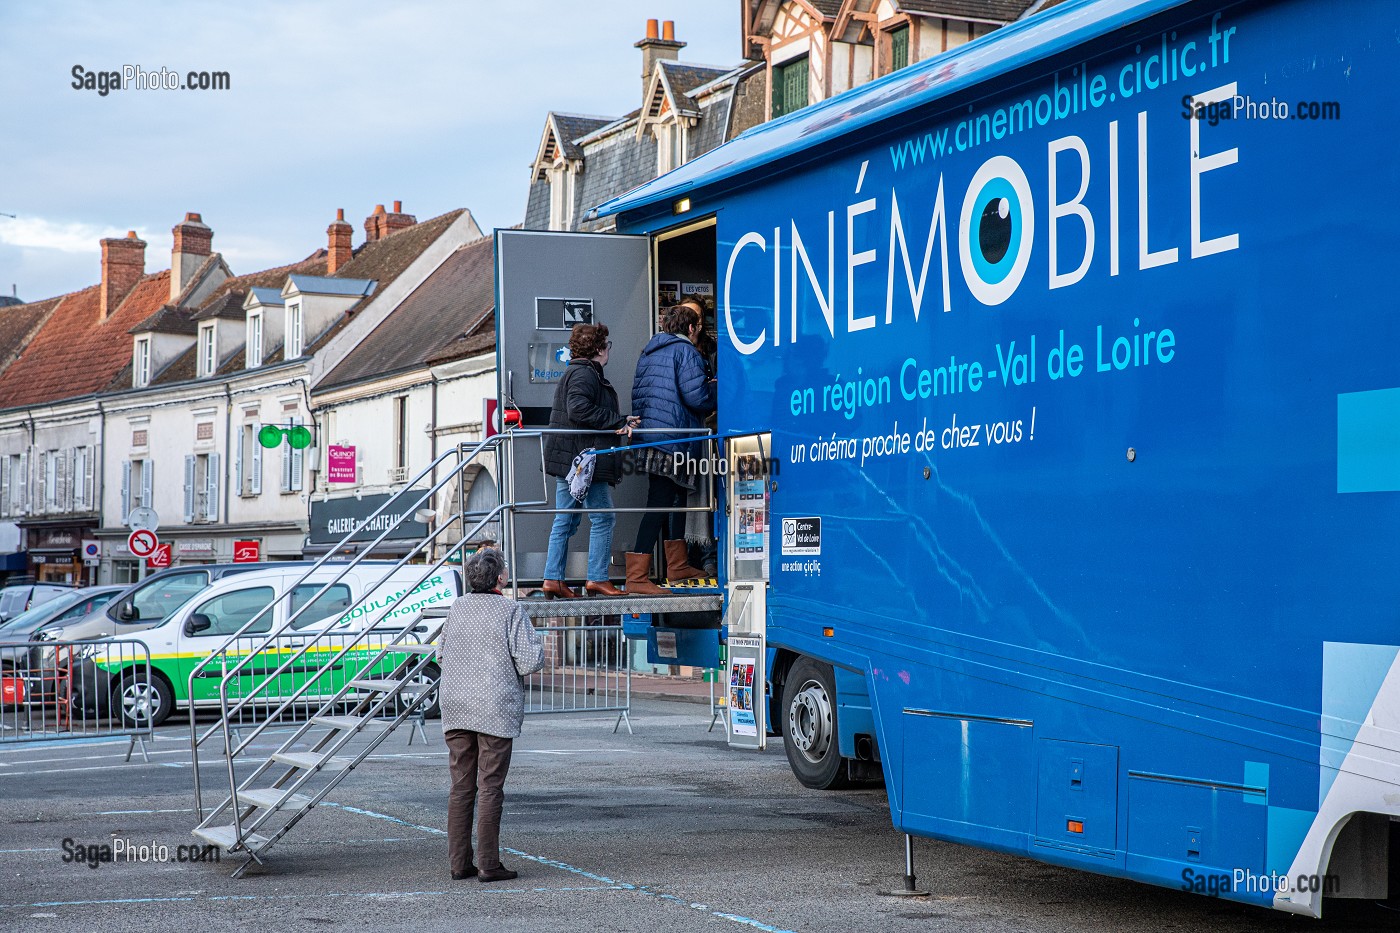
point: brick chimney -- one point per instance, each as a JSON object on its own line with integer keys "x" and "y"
{"x": 374, "y": 224}
{"x": 339, "y": 233}
{"x": 123, "y": 265}
{"x": 656, "y": 48}
{"x": 380, "y": 223}
{"x": 191, "y": 239}
{"x": 397, "y": 220}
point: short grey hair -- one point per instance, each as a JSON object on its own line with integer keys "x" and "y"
{"x": 483, "y": 569}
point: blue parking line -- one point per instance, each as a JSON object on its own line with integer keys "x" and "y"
{"x": 608, "y": 883}
{"x": 375, "y": 895}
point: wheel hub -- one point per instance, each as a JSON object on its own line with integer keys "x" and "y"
{"x": 809, "y": 722}
{"x": 138, "y": 701}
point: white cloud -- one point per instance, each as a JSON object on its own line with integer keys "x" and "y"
{"x": 63, "y": 236}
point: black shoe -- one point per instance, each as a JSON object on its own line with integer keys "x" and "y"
{"x": 462, "y": 875}
{"x": 497, "y": 874}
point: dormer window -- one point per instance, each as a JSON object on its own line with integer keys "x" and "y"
{"x": 208, "y": 351}
{"x": 670, "y": 145}
{"x": 141, "y": 363}
{"x": 561, "y": 196}
{"x": 255, "y": 337}
{"x": 294, "y": 331}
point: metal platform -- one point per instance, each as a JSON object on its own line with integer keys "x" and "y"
{"x": 539, "y": 608}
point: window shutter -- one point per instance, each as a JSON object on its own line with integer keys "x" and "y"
{"x": 23, "y": 483}
{"x": 89, "y": 474}
{"x": 62, "y": 470}
{"x": 78, "y": 488}
{"x": 298, "y": 462}
{"x": 257, "y": 463}
{"x": 240, "y": 485}
{"x": 189, "y": 488}
{"x": 148, "y": 475}
{"x": 126, "y": 491}
{"x": 41, "y": 476}
{"x": 211, "y": 504}
{"x": 5, "y": 466}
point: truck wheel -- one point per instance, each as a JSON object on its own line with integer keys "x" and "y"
{"x": 142, "y": 699}
{"x": 809, "y": 729}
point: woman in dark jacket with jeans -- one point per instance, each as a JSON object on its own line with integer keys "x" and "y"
{"x": 584, "y": 399}
{"x": 672, "y": 389}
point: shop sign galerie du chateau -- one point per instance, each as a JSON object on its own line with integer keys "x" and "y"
{"x": 333, "y": 519}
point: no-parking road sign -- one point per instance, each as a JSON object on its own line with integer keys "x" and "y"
{"x": 142, "y": 543}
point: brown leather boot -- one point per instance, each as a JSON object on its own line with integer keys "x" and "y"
{"x": 638, "y": 577}
{"x": 602, "y": 588}
{"x": 558, "y": 589}
{"x": 678, "y": 563}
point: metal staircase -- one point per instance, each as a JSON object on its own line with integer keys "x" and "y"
{"x": 394, "y": 676}
{"x": 309, "y": 763}
{"x": 394, "y": 671}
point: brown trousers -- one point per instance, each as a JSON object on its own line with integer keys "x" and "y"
{"x": 478, "y": 763}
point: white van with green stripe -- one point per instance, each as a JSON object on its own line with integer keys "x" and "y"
{"x": 361, "y": 598}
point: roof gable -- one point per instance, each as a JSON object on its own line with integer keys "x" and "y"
{"x": 445, "y": 309}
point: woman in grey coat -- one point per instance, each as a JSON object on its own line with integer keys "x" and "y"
{"x": 487, "y": 647}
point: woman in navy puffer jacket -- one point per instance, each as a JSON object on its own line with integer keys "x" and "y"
{"x": 672, "y": 389}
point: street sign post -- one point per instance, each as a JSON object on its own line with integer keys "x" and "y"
{"x": 143, "y": 543}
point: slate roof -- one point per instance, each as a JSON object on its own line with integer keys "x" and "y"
{"x": 436, "y": 321}
{"x": 827, "y": 8}
{"x": 682, "y": 79}
{"x": 331, "y": 285}
{"x": 267, "y": 296}
{"x": 169, "y": 320}
{"x": 569, "y": 127}
{"x": 18, "y": 324}
{"x": 1000, "y": 11}
{"x": 75, "y": 354}
{"x": 228, "y": 305}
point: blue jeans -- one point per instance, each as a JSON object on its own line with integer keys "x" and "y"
{"x": 599, "y": 536}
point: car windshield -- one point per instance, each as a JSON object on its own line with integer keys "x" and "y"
{"x": 157, "y": 600}
{"x": 12, "y": 598}
{"x": 24, "y": 624}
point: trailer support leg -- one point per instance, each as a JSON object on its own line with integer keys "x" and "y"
{"x": 910, "y": 888}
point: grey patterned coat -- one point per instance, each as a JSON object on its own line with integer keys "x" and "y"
{"x": 487, "y": 647}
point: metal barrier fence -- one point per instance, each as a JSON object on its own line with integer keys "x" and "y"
{"x": 586, "y": 670}
{"x": 323, "y": 667}
{"x": 63, "y": 690}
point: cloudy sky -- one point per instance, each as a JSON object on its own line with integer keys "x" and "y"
{"x": 332, "y": 104}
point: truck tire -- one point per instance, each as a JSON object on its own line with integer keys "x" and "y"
{"x": 809, "y": 726}
{"x": 142, "y": 699}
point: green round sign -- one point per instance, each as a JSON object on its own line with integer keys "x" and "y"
{"x": 299, "y": 437}
{"x": 270, "y": 436}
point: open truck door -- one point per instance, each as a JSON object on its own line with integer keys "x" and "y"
{"x": 546, "y": 282}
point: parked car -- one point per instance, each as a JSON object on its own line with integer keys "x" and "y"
{"x": 148, "y": 602}
{"x": 20, "y": 597}
{"x": 364, "y": 598}
{"x": 16, "y": 635}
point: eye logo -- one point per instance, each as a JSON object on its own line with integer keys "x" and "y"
{"x": 998, "y": 229}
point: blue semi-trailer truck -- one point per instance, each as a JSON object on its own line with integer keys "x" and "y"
{"x": 1060, "y": 401}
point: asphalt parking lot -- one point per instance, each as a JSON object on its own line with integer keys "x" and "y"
{"x": 666, "y": 829}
